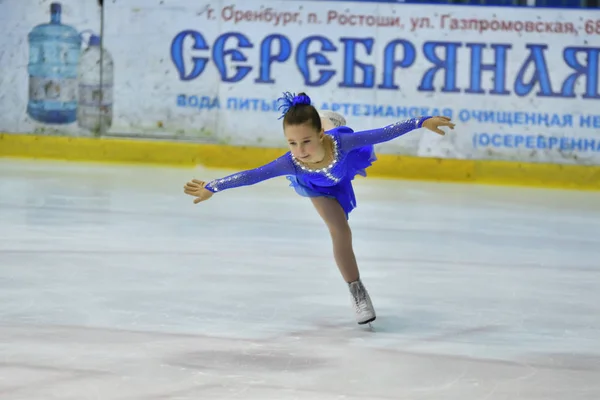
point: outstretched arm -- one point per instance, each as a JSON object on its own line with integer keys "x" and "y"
{"x": 373, "y": 136}
{"x": 204, "y": 191}
{"x": 280, "y": 166}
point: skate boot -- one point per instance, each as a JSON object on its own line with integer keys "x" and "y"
{"x": 365, "y": 313}
{"x": 336, "y": 119}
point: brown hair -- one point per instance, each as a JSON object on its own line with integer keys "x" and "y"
{"x": 301, "y": 111}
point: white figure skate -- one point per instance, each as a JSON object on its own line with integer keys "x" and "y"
{"x": 332, "y": 119}
{"x": 365, "y": 313}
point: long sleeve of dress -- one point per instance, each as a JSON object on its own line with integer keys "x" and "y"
{"x": 373, "y": 136}
{"x": 278, "y": 167}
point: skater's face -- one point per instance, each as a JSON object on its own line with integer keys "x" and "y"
{"x": 306, "y": 143}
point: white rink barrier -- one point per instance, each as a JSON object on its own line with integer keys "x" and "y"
{"x": 520, "y": 83}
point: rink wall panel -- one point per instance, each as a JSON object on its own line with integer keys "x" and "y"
{"x": 178, "y": 154}
{"x": 186, "y": 84}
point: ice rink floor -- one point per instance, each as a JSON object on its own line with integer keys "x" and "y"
{"x": 114, "y": 285}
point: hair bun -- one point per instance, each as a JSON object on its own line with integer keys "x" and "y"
{"x": 289, "y": 100}
{"x": 301, "y": 98}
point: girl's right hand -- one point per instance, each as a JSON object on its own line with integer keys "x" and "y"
{"x": 196, "y": 188}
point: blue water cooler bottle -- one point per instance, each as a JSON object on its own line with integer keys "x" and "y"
{"x": 54, "y": 51}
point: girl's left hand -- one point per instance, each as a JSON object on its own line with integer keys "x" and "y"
{"x": 434, "y": 123}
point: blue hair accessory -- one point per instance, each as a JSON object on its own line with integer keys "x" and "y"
{"x": 289, "y": 100}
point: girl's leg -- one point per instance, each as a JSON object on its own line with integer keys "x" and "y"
{"x": 341, "y": 236}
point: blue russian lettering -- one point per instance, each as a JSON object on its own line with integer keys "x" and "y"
{"x": 498, "y": 67}
{"x": 504, "y": 118}
{"x": 401, "y": 112}
{"x": 536, "y": 57}
{"x": 303, "y": 58}
{"x": 350, "y": 63}
{"x": 555, "y": 121}
{"x": 530, "y": 119}
{"x": 589, "y": 70}
{"x": 464, "y": 115}
{"x": 346, "y": 108}
{"x": 378, "y": 112}
{"x": 518, "y": 140}
{"x": 219, "y": 54}
{"x": 488, "y": 116}
{"x": 567, "y": 121}
{"x": 199, "y": 63}
{"x": 449, "y": 65}
{"x": 585, "y": 121}
{"x": 390, "y": 63}
{"x": 519, "y": 118}
{"x": 484, "y": 139}
{"x": 530, "y": 142}
{"x": 232, "y": 103}
{"x": 541, "y": 142}
{"x": 317, "y": 70}
{"x": 414, "y": 112}
{"x": 390, "y": 112}
{"x": 244, "y": 104}
{"x": 269, "y": 106}
{"x": 267, "y": 58}
{"x": 589, "y": 144}
{"x": 496, "y": 140}
{"x": 193, "y": 101}
{"x": 207, "y": 102}
{"x": 509, "y": 141}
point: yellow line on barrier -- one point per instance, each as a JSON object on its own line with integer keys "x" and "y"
{"x": 239, "y": 158}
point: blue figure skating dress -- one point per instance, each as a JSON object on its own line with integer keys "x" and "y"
{"x": 353, "y": 153}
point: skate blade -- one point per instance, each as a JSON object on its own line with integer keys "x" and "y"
{"x": 367, "y": 321}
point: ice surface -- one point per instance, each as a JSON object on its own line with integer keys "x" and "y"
{"x": 113, "y": 285}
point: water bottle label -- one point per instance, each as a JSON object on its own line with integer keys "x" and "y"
{"x": 95, "y": 95}
{"x": 52, "y": 89}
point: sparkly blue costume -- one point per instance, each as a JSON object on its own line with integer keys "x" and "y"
{"x": 353, "y": 153}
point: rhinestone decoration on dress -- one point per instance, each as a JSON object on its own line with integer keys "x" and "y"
{"x": 325, "y": 170}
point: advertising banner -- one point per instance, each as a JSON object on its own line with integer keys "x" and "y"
{"x": 48, "y": 59}
{"x": 520, "y": 83}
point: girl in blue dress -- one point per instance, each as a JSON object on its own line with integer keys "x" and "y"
{"x": 321, "y": 166}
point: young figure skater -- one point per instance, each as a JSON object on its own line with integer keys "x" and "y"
{"x": 321, "y": 165}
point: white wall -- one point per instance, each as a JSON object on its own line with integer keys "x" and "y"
{"x": 536, "y": 108}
